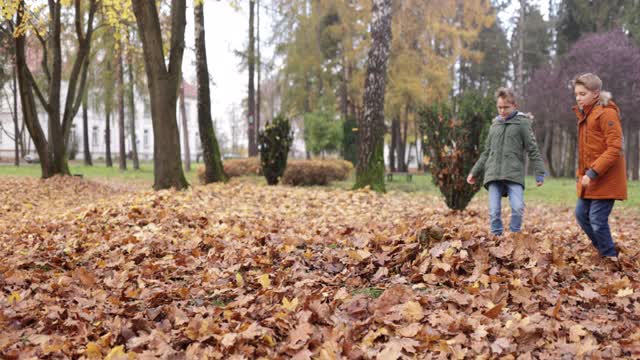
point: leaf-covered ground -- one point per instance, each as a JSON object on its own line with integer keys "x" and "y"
{"x": 230, "y": 271}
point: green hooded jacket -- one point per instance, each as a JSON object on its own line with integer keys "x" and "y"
{"x": 505, "y": 149}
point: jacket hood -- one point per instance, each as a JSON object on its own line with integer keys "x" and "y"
{"x": 605, "y": 101}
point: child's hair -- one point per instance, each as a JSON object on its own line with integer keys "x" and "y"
{"x": 590, "y": 81}
{"x": 506, "y": 94}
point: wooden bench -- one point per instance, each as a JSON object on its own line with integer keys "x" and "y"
{"x": 408, "y": 176}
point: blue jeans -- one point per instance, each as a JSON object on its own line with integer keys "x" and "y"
{"x": 593, "y": 217}
{"x": 515, "y": 192}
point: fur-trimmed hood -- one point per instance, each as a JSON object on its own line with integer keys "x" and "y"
{"x": 605, "y": 100}
{"x": 605, "y": 97}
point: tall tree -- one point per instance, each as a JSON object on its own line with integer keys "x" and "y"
{"x": 259, "y": 67}
{"x": 163, "y": 85}
{"x": 492, "y": 70}
{"x": 578, "y": 17}
{"x": 132, "y": 118}
{"x": 251, "y": 102}
{"x": 531, "y": 44}
{"x": 213, "y": 170}
{"x": 107, "y": 140}
{"x": 121, "y": 126}
{"x": 85, "y": 131}
{"x": 185, "y": 129}
{"x": 52, "y": 149}
{"x": 370, "y": 169}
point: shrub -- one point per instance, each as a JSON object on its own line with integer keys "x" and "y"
{"x": 275, "y": 141}
{"x": 453, "y": 143}
{"x": 236, "y": 167}
{"x": 316, "y": 172}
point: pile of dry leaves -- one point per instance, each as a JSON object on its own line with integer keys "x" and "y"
{"x": 246, "y": 271}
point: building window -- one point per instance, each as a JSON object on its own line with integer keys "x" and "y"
{"x": 94, "y": 137}
{"x": 145, "y": 138}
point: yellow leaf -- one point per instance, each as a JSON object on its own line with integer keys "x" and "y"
{"x": 94, "y": 351}
{"x": 115, "y": 353}
{"x": 280, "y": 315}
{"x": 290, "y": 305}
{"x": 105, "y": 340}
{"x": 269, "y": 340}
{"x": 48, "y": 349}
{"x": 14, "y": 297}
{"x": 368, "y": 340}
{"x": 239, "y": 280}
{"x": 264, "y": 281}
{"x": 576, "y": 332}
{"x": 624, "y": 292}
{"x": 413, "y": 311}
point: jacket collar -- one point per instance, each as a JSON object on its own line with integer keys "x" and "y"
{"x": 594, "y": 109}
{"x": 514, "y": 118}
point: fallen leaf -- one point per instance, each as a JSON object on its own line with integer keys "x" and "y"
{"x": 264, "y": 281}
{"x": 624, "y": 292}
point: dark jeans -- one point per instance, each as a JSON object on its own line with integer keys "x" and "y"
{"x": 593, "y": 217}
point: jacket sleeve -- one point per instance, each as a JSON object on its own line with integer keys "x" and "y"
{"x": 612, "y": 129}
{"x": 478, "y": 168}
{"x": 531, "y": 146}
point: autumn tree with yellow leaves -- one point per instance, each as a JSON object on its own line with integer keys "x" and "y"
{"x": 323, "y": 44}
{"x": 44, "y": 23}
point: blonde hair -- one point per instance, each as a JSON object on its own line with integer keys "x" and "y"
{"x": 506, "y": 94}
{"x": 590, "y": 81}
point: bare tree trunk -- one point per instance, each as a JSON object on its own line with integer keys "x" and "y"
{"x": 418, "y": 153}
{"x": 634, "y": 157}
{"x": 402, "y": 142}
{"x": 27, "y": 100}
{"x": 56, "y": 136}
{"x": 85, "y": 132}
{"x": 370, "y": 168}
{"x": 547, "y": 150}
{"x": 395, "y": 131}
{"x": 213, "y": 170}
{"x": 132, "y": 118}
{"x": 251, "y": 133}
{"x": 520, "y": 74}
{"x": 572, "y": 156}
{"x": 185, "y": 130}
{"x": 16, "y": 132}
{"x": 163, "y": 88}
{"x": 121, "y": 133}
{"x": 259, "y": 67}
{"x": 107, "y": 141}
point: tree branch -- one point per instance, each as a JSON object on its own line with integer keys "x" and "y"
{"x": 35, "y": 86}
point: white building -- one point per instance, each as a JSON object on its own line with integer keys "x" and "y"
{"x": 97, "y": 127}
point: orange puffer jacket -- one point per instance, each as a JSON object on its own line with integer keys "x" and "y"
{"x": 600, "y": 148}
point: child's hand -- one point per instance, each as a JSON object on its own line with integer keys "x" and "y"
{"x": 471, "y": 180}
{"x": 586, "y": 180}
{"x": 540, "y": 180}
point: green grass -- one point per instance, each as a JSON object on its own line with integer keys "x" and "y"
{"x": 370, "y": 291}
{"x": 555, "y": 191}
{"x": 97, "y": 172}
